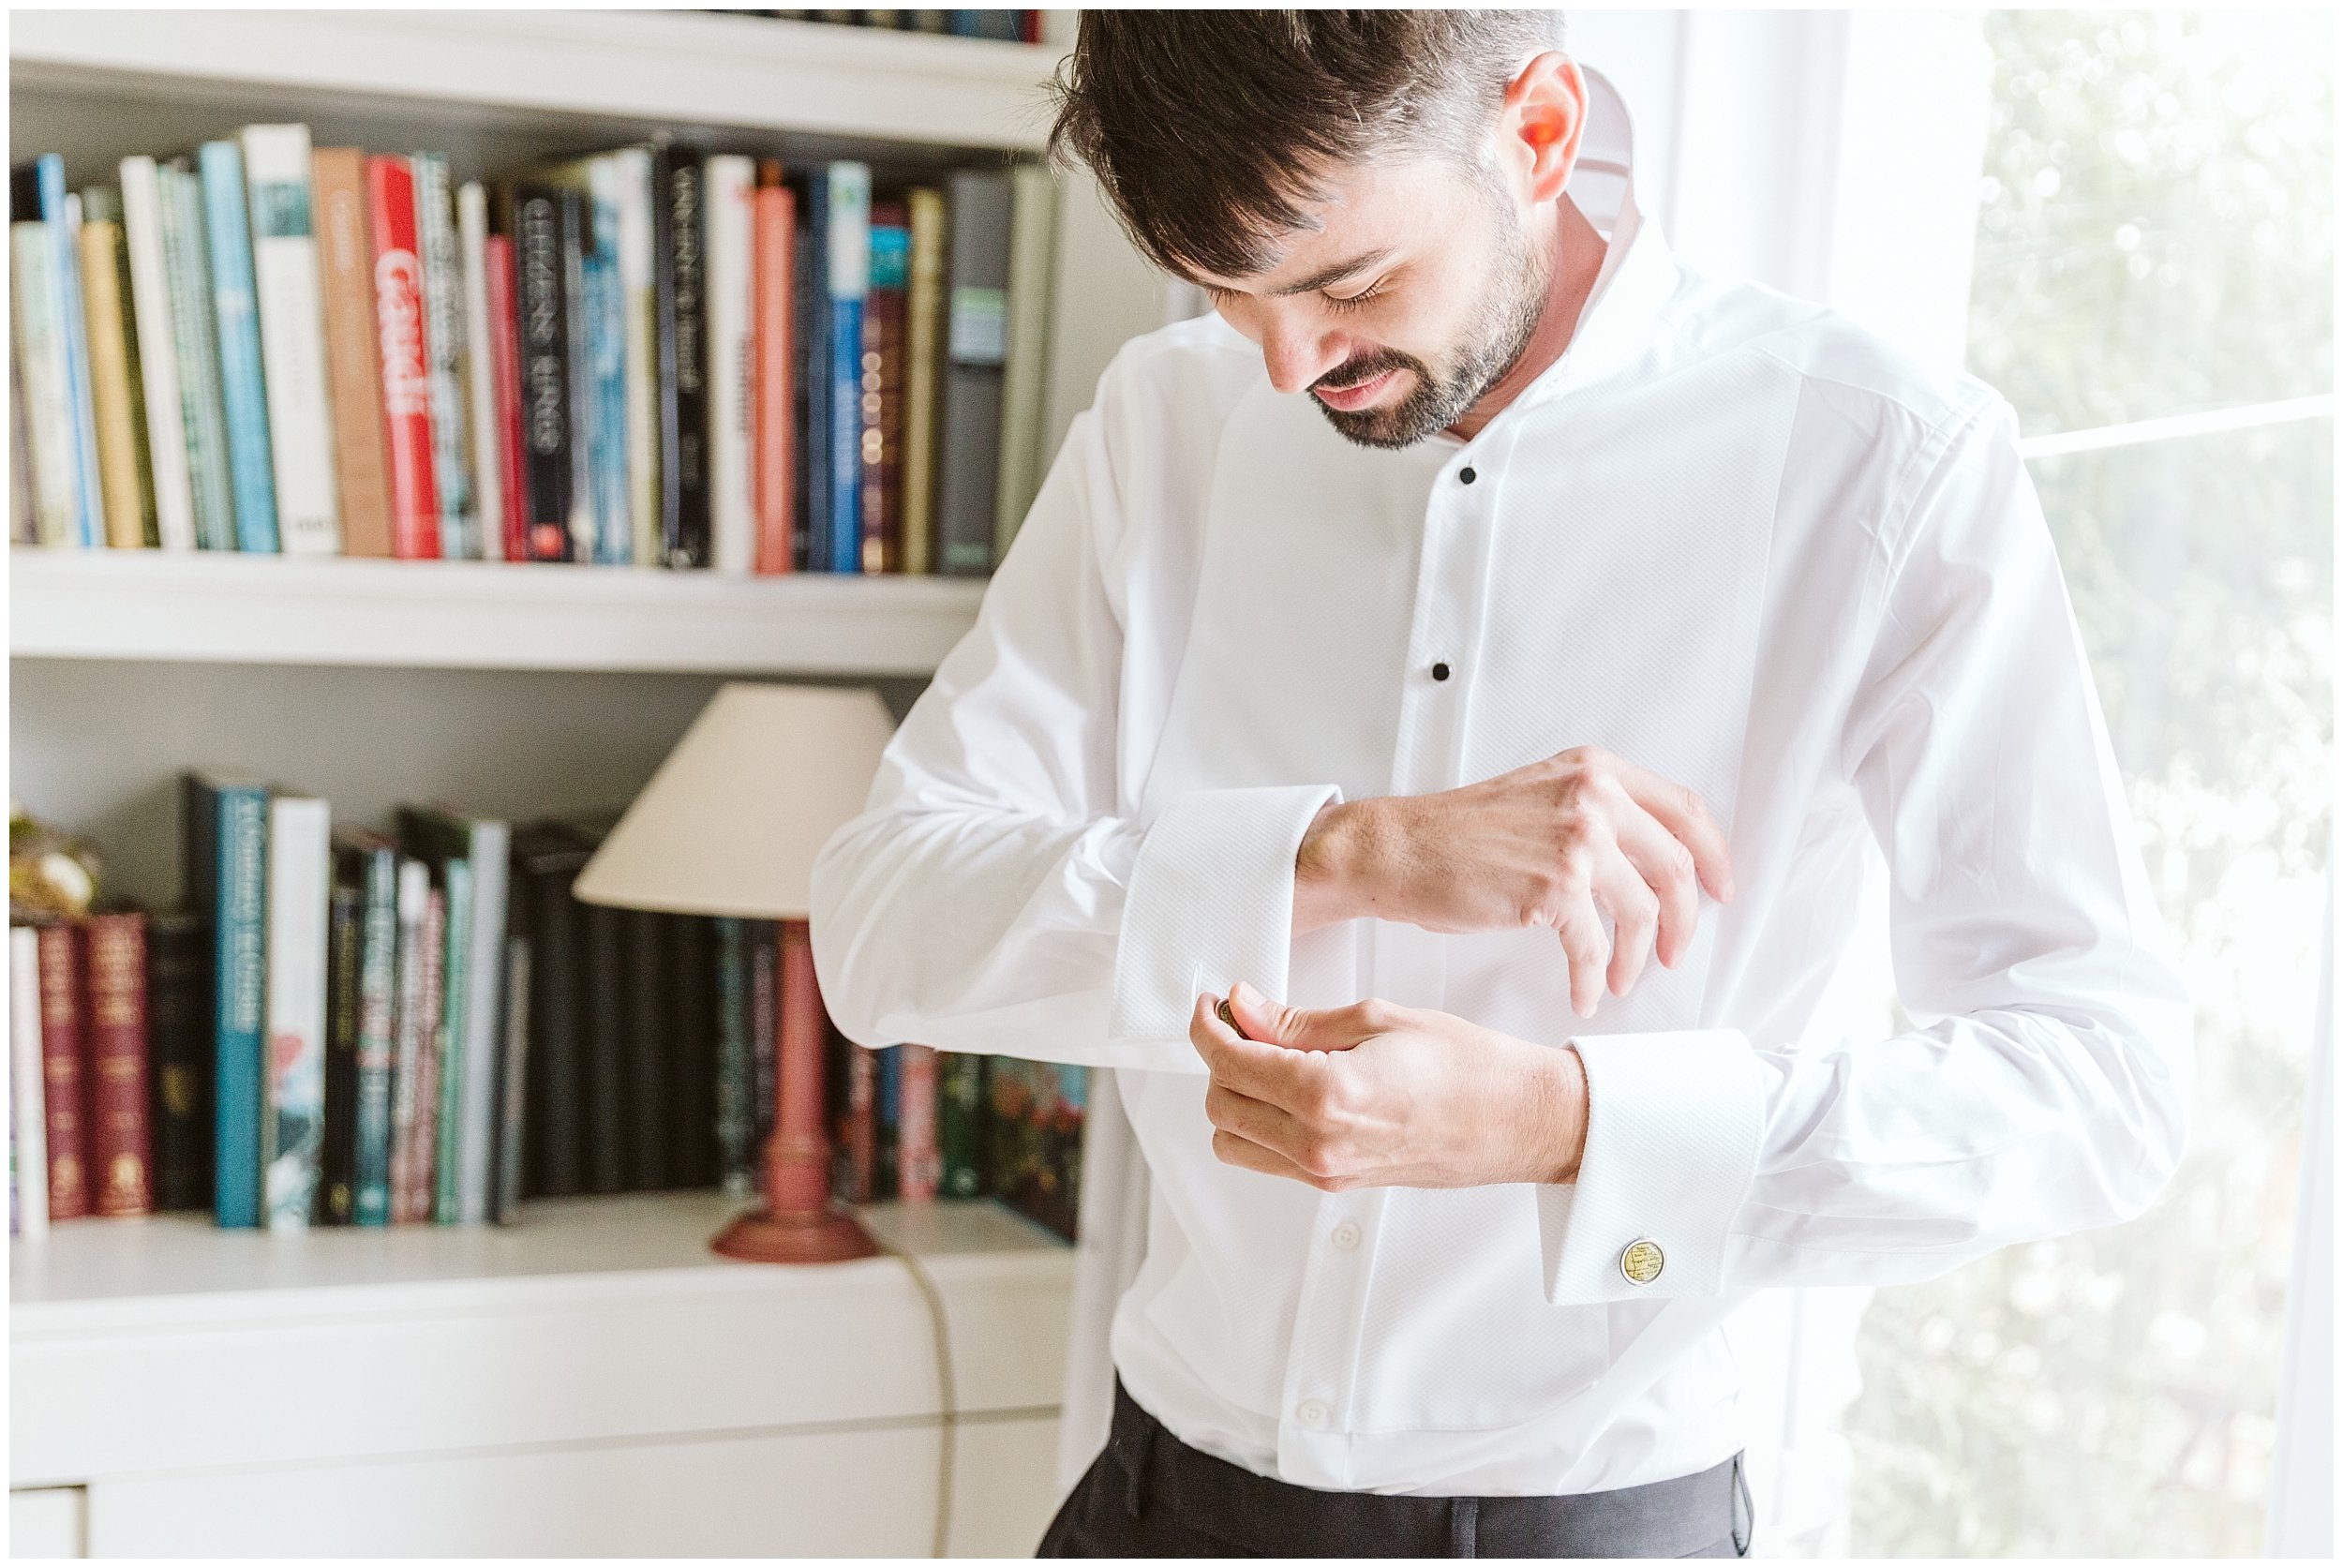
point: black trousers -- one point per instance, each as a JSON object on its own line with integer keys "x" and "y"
{"x": 1151, "y": 1495}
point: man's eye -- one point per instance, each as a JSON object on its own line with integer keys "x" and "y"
{"x": 1353, "y": 302}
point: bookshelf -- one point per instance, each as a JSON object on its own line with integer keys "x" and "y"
{"x": 591, "y": 1381}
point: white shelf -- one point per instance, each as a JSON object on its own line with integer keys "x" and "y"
{"x": 686, "y": 68}
{"x": 226, "y": 609}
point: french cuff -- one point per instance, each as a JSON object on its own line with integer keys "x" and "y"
{"x": 1673, "y": 1123}
{"x": 1210, "y": 902}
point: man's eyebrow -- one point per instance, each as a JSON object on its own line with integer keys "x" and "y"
{"x": 1334, "y": 274}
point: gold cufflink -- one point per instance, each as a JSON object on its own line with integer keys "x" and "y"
{"x": 1642, "y": 1262}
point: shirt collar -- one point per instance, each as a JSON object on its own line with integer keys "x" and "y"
{"x": 1638, "y": 272}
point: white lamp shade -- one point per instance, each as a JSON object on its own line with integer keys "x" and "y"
{"x": 731, "y": 822}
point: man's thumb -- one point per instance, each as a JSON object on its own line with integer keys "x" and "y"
{"x": 1259, "y": 1018}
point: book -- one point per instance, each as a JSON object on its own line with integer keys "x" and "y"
{"x": 809, "y": 364}
{"x": 504, "y": 359}
{"x": 975, "y": 351}
{"x": 443, "y": 834}
{"x": 195, "y": 341}
{"x": 40, "y": 364}
{"x": 545, "y": 230}
{"x": 369, "y": 862}
{"x": 299, "y": 830}
{"x": 61, "y": 1049}
{"x": 679, "y": 296}
{"x": 159, "y": 355}
{"x": 23, "y": 529}
{"x": 609, "y": 450}
{"x": 546, "y": 857}
{"x": 736, "y": 1082}
{"x": 631, "y": 175}
{"x": 485, "y": 451}
{"x": 124, "y": 495}
{"x": 1036, "y": 1136}
{"x": 226, "y": 875}
{"x": 513, "y": 1093}
{"x": 605, "y": 1076}
{"x": 923, "y": 310}
{"x": 691, "y": 1056}
{"x": 345, "y": 945}
{"x": 884, "y": 324}
{"x": 649, "y": 1041}
{"x": 780, "y": 402}
{"x": 919, "y": 1159}
{"x": 353, "y": 360}
{"x": 764, "y": 941}
{"x": 28, "y": 1129}
{"x": 887, "y": 1118}
{"x": 416, "y": 933}
{"x": 960, "y": 1103}
{"x": 848, "y": 186}
{"x": 728, "y": 200}
{"x": 410, "y": 446}
{"x": 236, "y": 309}
{"x": 179, "y": 1056}
{"x": 290, "y": 301}
{"x": 413, "y": 1203}
{"x": 856, "y": 1129}
{"x": 444, "y": 354}
{"x": 451, "y": 1048}
{"x": 58, "y": 212}
{"x": 1032, "y": 254}
{"x": 121, "y": 1139}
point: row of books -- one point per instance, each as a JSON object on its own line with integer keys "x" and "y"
{"x": 649, "y": 356}
{"x": 1002, "y": 26}
{"x": 346, "y": 1027}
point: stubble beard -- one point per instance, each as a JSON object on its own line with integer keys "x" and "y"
{"x": 1502, "y": 325}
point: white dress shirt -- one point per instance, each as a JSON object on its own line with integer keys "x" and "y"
{"x": 1730, "y": 537}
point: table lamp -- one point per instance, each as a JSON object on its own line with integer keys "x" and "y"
{"x": 730, "y": 825}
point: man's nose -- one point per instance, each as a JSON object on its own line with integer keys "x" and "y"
{"x": 1294, "y": 355}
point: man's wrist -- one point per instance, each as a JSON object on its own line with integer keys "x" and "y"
{"x": 1332, "y": 869}
{"x": 1559, "y": 1140}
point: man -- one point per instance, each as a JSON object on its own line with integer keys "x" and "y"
{"x": 1389, "y": 667}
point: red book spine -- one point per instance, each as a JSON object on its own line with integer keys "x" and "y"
{"x": 122, "y": 1153}
{"x": 1029, "y": 27}
{"x": 918, "y": 1161}
{"x": 61, "y": 1051}
{"x": 772, "y": 406}
{"x": 405, "y": 365}
{"x": 504, "y": 329}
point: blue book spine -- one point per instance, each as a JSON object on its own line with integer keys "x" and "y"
{"x": 614, "y": 520}
{"x": 849, "y": 255}
{"x": 240, "y": 990}
{"x": 73, "y": 325}
{"x": 378, "y": 989}
{"x": 814, "y": 393}
{"x": 252, "y": 473}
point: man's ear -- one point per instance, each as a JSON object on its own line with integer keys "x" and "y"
{"x": 1542, "y": 120}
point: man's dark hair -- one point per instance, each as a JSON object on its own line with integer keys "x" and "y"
{"x": 1210, "y": 130}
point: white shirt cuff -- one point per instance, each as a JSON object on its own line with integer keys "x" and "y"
{"x": 1673, "y": 1123}
{"x": 1210, "y": 903}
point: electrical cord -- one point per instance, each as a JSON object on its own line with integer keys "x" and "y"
{"x": 946, "y": 1388}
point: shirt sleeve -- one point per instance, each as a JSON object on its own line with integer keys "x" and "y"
{"x": 992, "y": 898}
{"x": 2042, "y": 1085}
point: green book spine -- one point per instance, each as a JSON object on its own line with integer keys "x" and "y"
{"x": 735, "y": 1067}
{"x": 187, "y": 277}
{"x": 378, "y": 1013}
{"x": 447, "y": 1204}
{"x": 960, "y": 1123}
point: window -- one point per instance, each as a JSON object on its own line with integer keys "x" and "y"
{"x": 2153, "y": 290}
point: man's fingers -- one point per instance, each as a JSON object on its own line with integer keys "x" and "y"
{"x": 1255, "y": 1121}
{"x": 1684, "y": 814}
{"x": 1634, "y": 911}
{"x": 1587, "y": 948}
{"x": 1230, "y": 1149}
{"x": 1264, "y": 1072}
{"x": 1666, "y": 866}
{"x": 1299, "y": 1028}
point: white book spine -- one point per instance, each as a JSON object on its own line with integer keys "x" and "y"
{"x": 447, "y": 341}
{"x": 471, "y": 224}
{"x": 299, "y": 829}
{"x": 731, "y": 187}
{"x": 159, "y": 353}
{"x": 27, "y": 1096}
{"x": 40, "y": 351}
{"x": 412, "y": 1029}
{"x": 292, "y": 337}
{"x": 631, "y": 170}
{"x": 483, "y": 1019}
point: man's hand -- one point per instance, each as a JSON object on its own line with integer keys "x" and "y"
{"x": 1560, "y": 843}
{"x": 1374, "y": 1095}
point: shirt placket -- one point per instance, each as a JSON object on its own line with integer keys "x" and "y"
{"x": 1400, "y": 964}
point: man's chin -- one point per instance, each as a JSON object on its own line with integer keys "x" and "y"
{"x": 1401, "y": 423}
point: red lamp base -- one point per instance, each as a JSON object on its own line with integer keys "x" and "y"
{"x": 824, "y": 1236}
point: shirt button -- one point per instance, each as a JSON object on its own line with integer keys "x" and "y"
{"x": 1310, "y": 1412}
{"x": 1346, "y": 1236}
{"x": 1642, "y": 1262}
{"x": 1440, "y": 671}
{"x": 1467, "y": 475}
